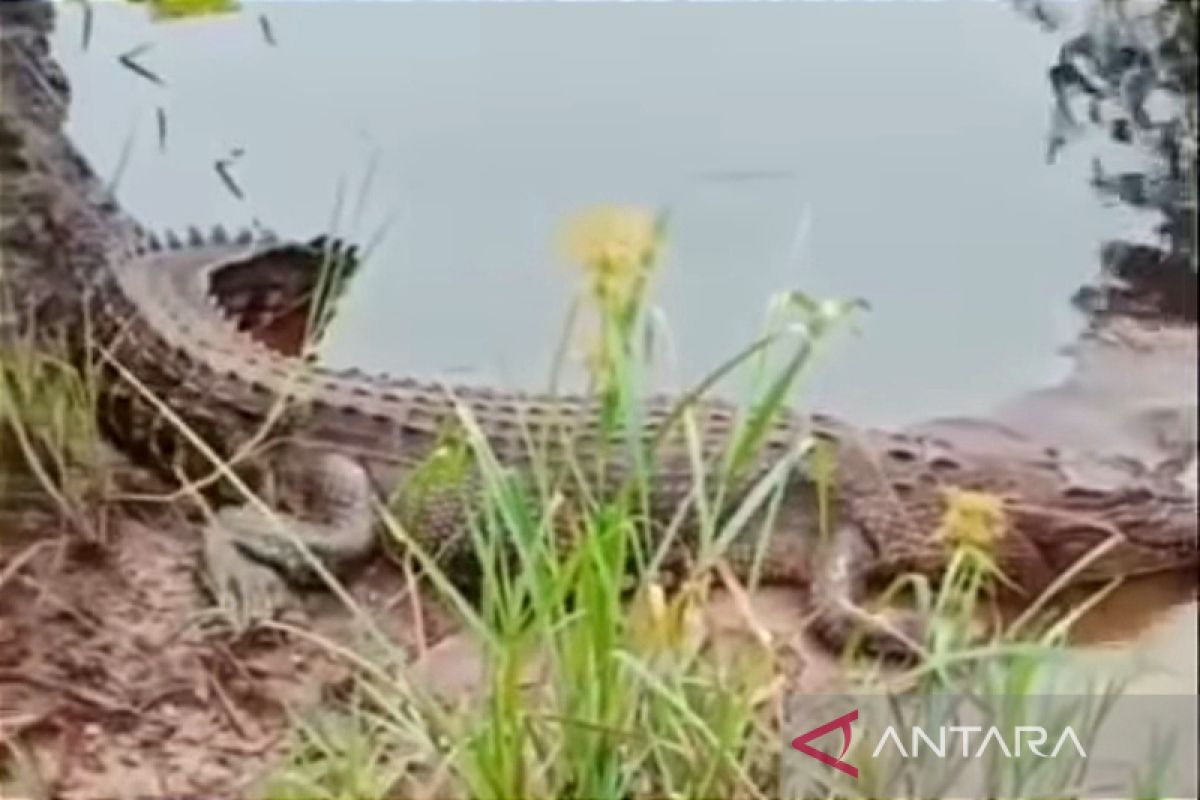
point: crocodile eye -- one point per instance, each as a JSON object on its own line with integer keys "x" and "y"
{"x": 944, "y": 464}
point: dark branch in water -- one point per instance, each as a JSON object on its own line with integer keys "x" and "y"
{"x": 1143, "y": 282}
{"x": 1134, "y": 68}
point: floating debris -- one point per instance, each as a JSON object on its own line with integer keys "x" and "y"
{"x": 161, "y": 116}
{"x": 267, "y": 32}
{"x": 222, "y": 166}
{"x": 128, "y": 61}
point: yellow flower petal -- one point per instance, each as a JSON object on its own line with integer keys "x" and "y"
{"x": 975, "y": 519}
{"x": 616, "y": 246}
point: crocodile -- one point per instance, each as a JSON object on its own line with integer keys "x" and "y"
{"x": 186, "y": 383}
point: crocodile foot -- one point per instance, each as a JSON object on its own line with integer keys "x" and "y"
{"x": 840, "y": 620}
{"x": 894, "y": 635}
{"x": 252, "y": 553}
{"x": 244, "y": 591}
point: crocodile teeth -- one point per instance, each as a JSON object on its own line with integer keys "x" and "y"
{"x": 244, "y": 237}
{"x": 153, "y": 242}
{"x": 173, "y": 240}
{"x": 218, "y": 235}
{"x": 195, "y": 237}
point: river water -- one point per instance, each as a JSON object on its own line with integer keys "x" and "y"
{"x": 888, "y": 151}
{"x": 893, "y": 152}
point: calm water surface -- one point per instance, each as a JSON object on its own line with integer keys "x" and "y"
{"x": 892, "y": 152}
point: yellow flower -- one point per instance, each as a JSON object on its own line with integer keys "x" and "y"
{"x": 974, "y": 519}
{"x": 662, "y": 627}
{"x": 616, "y": 246}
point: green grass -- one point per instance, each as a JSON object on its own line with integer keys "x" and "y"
{"x": 49, "y": 442}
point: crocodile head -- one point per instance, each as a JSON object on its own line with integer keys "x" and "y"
{"x": 1092, "y": 516}
{"x": 1101, "y": 532}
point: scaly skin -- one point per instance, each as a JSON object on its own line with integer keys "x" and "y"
{"x": 323, "y": 446}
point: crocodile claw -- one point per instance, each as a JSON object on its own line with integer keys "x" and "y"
{"x": 839, "y": 584}
{"x": 245, "y": 592}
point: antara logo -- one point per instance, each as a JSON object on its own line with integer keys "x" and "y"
{"x": 1033, "y": 737}
{"x": 842, "y": 723}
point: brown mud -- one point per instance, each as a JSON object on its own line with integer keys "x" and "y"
{"x": 112, "y": 686}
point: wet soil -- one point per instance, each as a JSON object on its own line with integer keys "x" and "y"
{"x": 113, "y": 686}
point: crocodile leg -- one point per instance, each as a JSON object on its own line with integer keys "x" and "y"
{"x": 251, "y": 552}
{"x": 840, "y": 584}
{"x": 244, "y": 590}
